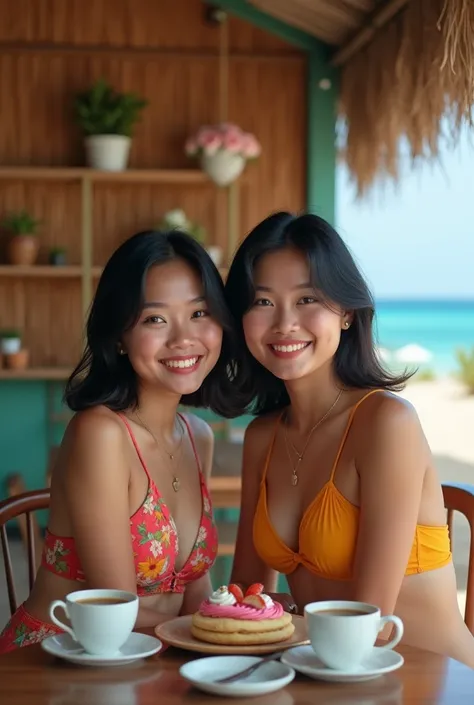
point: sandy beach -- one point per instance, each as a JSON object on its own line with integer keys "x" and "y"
{"x": 447, "y": 416}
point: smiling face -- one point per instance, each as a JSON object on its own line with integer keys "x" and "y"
{"x": 289, "y": 329}
{"x": 175, "y": 343}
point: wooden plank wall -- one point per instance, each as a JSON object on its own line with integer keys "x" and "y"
{"x": 165, "y": 51}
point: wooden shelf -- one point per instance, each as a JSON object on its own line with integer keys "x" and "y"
{"x": 83, "y": 275}
{"x": 97, "y": 271}
{"x": 165, "y": 176}
{"x": 50, "y": 271}
{"x": 46, "y": 373}
{"x": 40, "y": 270}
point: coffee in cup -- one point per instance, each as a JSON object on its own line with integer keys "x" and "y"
{"x": 343, "y": 633}
{"x": 102, "y": 620}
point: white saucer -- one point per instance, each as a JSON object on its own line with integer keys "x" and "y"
{"x": 203, "y": 673}
{"x": 379, "y": 662}
{"x": 136, "y": 647}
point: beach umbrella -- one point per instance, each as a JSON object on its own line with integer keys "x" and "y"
{"x": 413, "y": 353}
{"x": 384, "y": 354}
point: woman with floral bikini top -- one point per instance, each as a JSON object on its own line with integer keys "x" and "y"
{"x": 130, "y": 508}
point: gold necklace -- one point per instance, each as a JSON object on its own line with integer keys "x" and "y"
{"x": 288, "y": 442}
{"x": 175, "y": 482}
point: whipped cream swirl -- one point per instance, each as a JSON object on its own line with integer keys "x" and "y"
{"x": 267, "y": 600}
{"x": 222, "y": 596}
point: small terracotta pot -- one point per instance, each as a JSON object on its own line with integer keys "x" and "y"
{"x": 23, "y": 249}
{"x": 17, "y": 361}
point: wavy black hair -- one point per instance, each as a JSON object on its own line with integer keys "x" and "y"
{"x": 335, "y": 274}
{"x": 103, "y": 376}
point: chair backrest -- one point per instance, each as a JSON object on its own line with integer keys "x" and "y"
{"x": 12, "y": 508}
{"x": 460, "y": 498}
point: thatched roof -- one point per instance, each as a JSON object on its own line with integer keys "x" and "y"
{"x": 405, "y": 64}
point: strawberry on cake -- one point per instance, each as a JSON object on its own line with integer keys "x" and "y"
{"x": 229, "y": 617}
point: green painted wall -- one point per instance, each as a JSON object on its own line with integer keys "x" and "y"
{"x": 321, "y": 130}
{"x": 23, "y": 432}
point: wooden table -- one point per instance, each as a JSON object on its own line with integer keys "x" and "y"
{"x": 30, "y": 676}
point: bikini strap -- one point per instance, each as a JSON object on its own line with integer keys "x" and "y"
{"x": 270, "y": 446}
{"x": 135, "y": 444}
{"x": 137, "y": 447}
{"x": 347, "y": 429}
{"x": 193, "y": 443}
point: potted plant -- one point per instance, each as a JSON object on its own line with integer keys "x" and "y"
{"x": 57, "y": 256}
{"x": 14, "y": 355}
{"x": 23, "y": 246}
{"x": 177, "y": 219}
{"x": 223, "y": 151}
{"x": 10, "y": 342}
{"x": 107, "y": 118}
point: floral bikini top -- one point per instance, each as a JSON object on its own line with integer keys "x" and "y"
{"x": 154, "y": 539}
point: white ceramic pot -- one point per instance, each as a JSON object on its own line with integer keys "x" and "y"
{"x": 216, "y": 254}
{"x": 107, "y": 152}
{"x": 223, "y": 167}
{"x": 10, "y": 346}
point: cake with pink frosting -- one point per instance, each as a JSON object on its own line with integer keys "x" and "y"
{"x": 229, "y": 617}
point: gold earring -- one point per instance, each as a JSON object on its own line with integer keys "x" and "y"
{"x": 346, "y": 324}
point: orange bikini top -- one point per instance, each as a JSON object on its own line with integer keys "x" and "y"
{"x": 329, "y": 527}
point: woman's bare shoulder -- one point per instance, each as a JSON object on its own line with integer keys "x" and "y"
{"x": 98, "y": 425}
{"x": 383, "y": 422}
{"x": 259, "y": 434}
{"x": 93, "y": 449}
{"x": 386, "y": 408}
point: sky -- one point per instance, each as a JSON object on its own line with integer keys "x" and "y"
{"x": 416, "y": 240}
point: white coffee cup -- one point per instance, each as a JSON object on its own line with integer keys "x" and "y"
{"x": 102, "y": 620}
{"x": 343, "y": 633}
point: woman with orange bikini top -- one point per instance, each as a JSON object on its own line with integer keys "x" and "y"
{"x": 339, "y": 491}
{"x": 130, "y": 508}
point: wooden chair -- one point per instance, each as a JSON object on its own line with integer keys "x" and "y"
{"x": 460, "y": 498}
{"x": 13, "y": 508}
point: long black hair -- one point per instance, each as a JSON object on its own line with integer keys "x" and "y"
{"x": 335, "y": 274}
{"x": 103, "y": 376}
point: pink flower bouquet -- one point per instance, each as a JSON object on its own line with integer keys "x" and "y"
{"x": 224, "y": 137}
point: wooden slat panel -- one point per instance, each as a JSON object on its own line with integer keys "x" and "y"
{"x": 48, "y": 314}
{"x": 120, "y": 211}
{"x": 134, "y": 23}
{"x": 37, "y": 89}
{"x": 182, "y": 94}
{"x": 273, "y": 111}
{"x": 53, "y": 322}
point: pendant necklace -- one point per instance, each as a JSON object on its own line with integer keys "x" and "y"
{"x": 300, "y": 455}
{"x": 175, "y": 482}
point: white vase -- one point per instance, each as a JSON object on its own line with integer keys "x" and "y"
{"x": 10, "y": 346}
{"x": 223, "y": 167}
{"x": 107, "y": 152}
{"x": 216, "y": 254}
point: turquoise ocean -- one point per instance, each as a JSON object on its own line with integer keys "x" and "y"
{"x": 437, "y": 326}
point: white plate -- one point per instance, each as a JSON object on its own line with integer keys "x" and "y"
{"x": 379, "y": 662}
{"x": 136, "y": 647}
{"x": 203, "y": 673}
